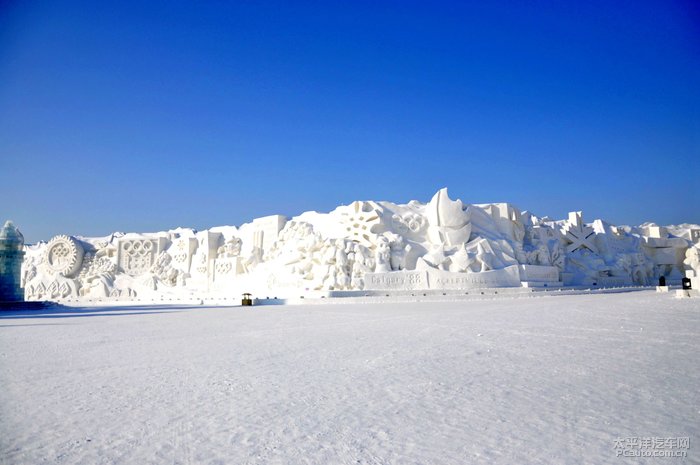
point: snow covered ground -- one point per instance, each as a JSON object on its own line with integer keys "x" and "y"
{"x": 513, "y": 381}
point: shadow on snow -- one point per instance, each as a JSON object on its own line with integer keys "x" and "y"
{"x": 61, "y": 311}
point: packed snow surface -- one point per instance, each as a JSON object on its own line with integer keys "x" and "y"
{"x": 551, "y": 380}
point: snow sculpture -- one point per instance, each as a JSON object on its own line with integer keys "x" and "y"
{"x": 183, "y": 250}
{"x": 540, "y": 256}
{"x": 64, "y": 255}
{"x": 264, "y": 232}
{"x": 694, "y": 236}
{"x": 203, "y": 262}
{"x": 335, "y": 270}
{"x": 448, "y": 222}
{"x": 409, "y": 223}
{"x": 398, "y": 251}
{"x": 163, "y": 270}
{"x": 539, "y": 276}
{"x": 97, "y": 276}
{"x": 362, "y": 221}
{"x": 136, "y": 255}
{"x": 383, "y": 255}
{"x": 663, "y": 251}
{"x": 436, "y": 257}
{"x": 232, "y": 248}
{"x": 29, "y": 270}
{"x": 692, "y": 260}
{"x": 364, "y": 247}
{"x": 484, "y": 259}
{"x": 55, "y": 271}
{"x": 545, "y": 247}
{"x": 228, "y": 261}
{"x": 360, "y": 264}
{"x": 461, "y": 261}
{"x": 508, "y": 220}
{"x": 642, "y": 269}
{"x": 577, "y": 234}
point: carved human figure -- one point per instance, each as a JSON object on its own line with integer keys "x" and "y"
{"x": 255, "y": 258}
{"x": 360, "y": 265}
{"x": 692, "y": 259}
{"x": 542, "y": 256}
{"x": 358, "y": 275}
{"x": 332, "y": 258}
{"x": 163, "y": 269}
{"x": 232, "y": 248}
{"x": 344, "y": 264}
{"x": 342, "y": 279}
{"x": 341, "y": 257}
{"x": 398, "y": 249}
{"x": 382, "y": 255}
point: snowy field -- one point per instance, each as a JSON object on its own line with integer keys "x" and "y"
{"x": 552, "y": 380}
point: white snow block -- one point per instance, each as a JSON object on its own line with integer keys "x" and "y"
{"x": 269, "y": 228}
{"x": 682, "y": 294}
{"x": 442, "y": 280}
{"x": 398, "y": 280}
{"x": 694, "y": 235}
{"x": 507, "y": 277}
{"x": 657, "y": 232}
{"x": 538, "y": 273}
{"x": 612, "y": 281}
{"x": 539, "y": 284}
{"x": 686, "y": 293}
{"x": 695, "y": 283}
{"x": 662, "y": 289}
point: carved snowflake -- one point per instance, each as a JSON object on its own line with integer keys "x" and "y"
{"x": 362, "y": 221}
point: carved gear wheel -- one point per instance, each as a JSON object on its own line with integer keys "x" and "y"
{"x": 63, "y": 255}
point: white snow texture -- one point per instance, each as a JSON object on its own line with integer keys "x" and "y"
{"x": 543, "y": 380}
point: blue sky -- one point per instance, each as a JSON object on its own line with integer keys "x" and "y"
{"x": 144, "y": 116}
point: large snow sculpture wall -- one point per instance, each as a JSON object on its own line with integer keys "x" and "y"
{"x": 444, "y": 244}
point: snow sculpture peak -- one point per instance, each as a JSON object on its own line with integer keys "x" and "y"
{"x": 443, "y": 211}
{"x": 449, "y": 222}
